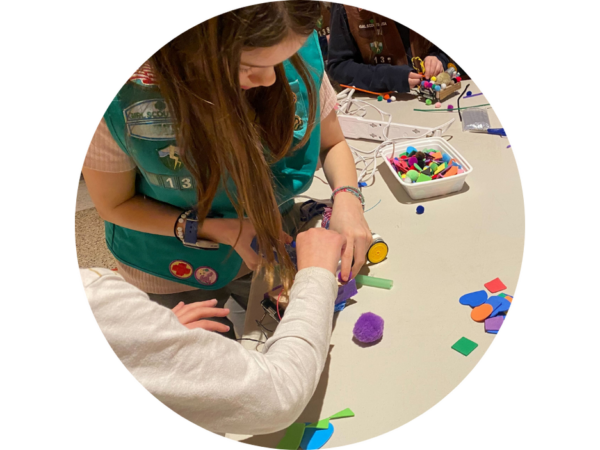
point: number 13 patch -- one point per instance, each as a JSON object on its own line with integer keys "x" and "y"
{"x": 171, "y": 181}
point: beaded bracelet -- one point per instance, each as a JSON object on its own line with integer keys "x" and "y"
{"x": 352, "y": 190}
{"x": 180, "y": 225}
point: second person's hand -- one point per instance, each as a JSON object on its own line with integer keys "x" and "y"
{"x": 319, "y": 247}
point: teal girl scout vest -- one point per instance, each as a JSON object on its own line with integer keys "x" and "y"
{"x": 141, "y": 124}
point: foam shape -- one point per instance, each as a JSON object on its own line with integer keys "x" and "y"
{"x": 493, "y": 323}
{"x": 481, "y": 312}
{"x": 461, "y": 171}
{"x": 412, "y": 174}
{"x": 502, "y": 295}
{"x": 339, "y": 307}
{"x": 346, "y": 291}
{"x": 315, "y": 438}
{"x": 473, "y": 299}
{"x": 493, "y": 332}
{"x": 495, "y": 286}
{"x": 451, "y": 172}
{"x": 437, "y": 155}
{"x": 501, "y": 308}
{"x": 423, "y": 177}
{"x": 410, "y": 148}
{"x": 342, "y": 414}
{"x": 427, "y": 171}
{"x": 509, "y": 298}
{"x": 293, "y": 436}
{"x": 417, "y": 167}
{"x": 465, "y": 346}
{"x": 495, "y": 301}
{"x": 440, "y": 168}
{"x": 322, "y": 424}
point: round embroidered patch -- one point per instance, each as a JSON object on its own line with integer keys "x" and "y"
{"x": 144, "y": 76}
{"x": 181, "y": 269}
{"x": 206, "y": 275}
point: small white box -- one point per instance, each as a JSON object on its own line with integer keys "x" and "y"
{"x": 433, "y": 188}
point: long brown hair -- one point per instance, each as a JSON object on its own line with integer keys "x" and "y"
{"x": 223, "y": 131}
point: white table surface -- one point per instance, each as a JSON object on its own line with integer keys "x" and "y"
{"x": 462, "y": 241}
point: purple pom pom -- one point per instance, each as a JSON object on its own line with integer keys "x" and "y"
{"x": 368, "y": 328}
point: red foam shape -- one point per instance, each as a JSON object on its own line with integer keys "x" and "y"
{"x": 495, "y": 286}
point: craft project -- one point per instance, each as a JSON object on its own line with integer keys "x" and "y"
{"x": 465, "y": 346}
{"x": 419, "y": 166}
{"x": 495, "y": 286}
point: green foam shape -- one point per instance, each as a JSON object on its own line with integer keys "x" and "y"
{"x": 412, "y": 174}
{"x": 293, "y": 437}
{"x": 423, "y": 177}
{"x": 343, "y": 414}
{"x": 465, "y": 346}
{"x": 502, "y": 295}
{"x": 418, "y": 167}
{"x": 322, "y": 424}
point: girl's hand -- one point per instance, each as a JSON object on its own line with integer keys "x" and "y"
{"x": 191, "y": 315}
{"x": 433, "y": 67}
{"x": 347, "y": 218}
{"x": 414, "y": 79}
{"x": 228, "y": 234}
{"x": 319, "y": 247}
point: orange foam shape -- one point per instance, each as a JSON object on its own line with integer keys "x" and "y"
{"x": 509, "y": 298}
{"x": 453, "y": 171}
{"x": 481, "y": 312}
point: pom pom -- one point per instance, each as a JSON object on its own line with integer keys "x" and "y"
{"x": 444, "y": 86}
{"x": 420, "y": 209}
{"x": 437, "y": 88}
{"x": 393, "y": 99}
{"x": 379, "y": 98}
{"x": 428, "y": 102}
{"x": 423, "y": 83}
{"x": 458, "y": 79}
{"x": 386, "y": 96}
{"x": 469, "y": 93}
{"x": 438, "y": 105}
{"x": 368, "y": 328}
{"x": 433, "y": 78}
{"x": 450, "y": 107}
{"x": 337, "y": 106}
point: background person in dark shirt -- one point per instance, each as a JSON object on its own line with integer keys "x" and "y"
{"x": 372, "y": 52}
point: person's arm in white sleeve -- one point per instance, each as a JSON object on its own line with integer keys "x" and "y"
{"x": 211, "y": 380}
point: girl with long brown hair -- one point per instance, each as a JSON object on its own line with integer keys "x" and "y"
{"x": 205, "y": 147}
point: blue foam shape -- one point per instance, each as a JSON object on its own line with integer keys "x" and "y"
{"x": 474, "y": 299}
{"x": 340, "y": 306}
{"x": 492, "y": 332}
{"x": 495, "y": 301}
{"x": 410, "y": 148}
{"x": 314, "y": 438}
{"x": 363, "y": 184}
{"x": 346, "y": 291}
{"x": 501, "y": 308}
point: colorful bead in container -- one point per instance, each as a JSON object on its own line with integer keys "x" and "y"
{"x": 414, "y": 166}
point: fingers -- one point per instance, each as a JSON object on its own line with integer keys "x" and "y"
{"x": 209, "y": 325}
{"x": 360, "y": 252}
{"x": 178, "y": 307}
{"x": 414, "y": 75}
{"x": 286, "y": 237}
{"x": 202, "y": 313}
{"x": 347, "y": 255}
{"x": 249, "y": 256}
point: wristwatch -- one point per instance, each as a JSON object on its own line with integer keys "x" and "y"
{"x": 190, "y": 234}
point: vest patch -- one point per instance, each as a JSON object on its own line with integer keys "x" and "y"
{"x": 170, "y": 158}
{"x": 206, "y": 276}
{"x": 144, "y": 76}
{"x": 150, "y": 120}
{"x": 181, "y": 269}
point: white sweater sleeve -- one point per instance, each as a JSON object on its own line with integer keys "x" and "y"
{"x": 207, "y": 378}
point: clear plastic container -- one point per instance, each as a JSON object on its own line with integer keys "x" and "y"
{"x": 433, "y": 188}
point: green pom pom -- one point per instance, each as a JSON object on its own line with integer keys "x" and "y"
{"x": 412, "y": 174}
{"x": 379, "y": 98}
{"x": 428, "y": 102}
{"x": 434, "y": 166}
